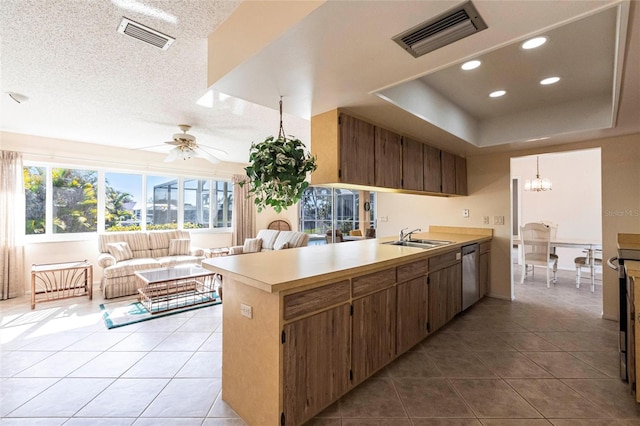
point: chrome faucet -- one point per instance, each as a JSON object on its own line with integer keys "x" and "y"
{"x": 404, "y": 235}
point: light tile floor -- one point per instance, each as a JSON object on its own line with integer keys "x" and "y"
{"x": 546, "y": 358}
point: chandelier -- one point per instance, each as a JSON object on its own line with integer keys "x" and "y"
{"x": 537, "y": 184}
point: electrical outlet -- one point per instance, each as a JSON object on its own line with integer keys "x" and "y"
{"x": 485, "y": 220}
{"x": 498, "y": 220}
{"x": 246, "y": 310}
{"x": 465, "y": 213}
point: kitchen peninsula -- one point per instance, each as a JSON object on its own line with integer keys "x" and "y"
{"x": 302, "y": 327}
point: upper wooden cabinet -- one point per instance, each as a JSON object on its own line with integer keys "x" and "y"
{"x": 353, "y": 152}
{"x": 412, "y": 165}
{"x": 357, "y": 148}
{"x": 432, "y": 179}
{"x": 387, "y": 158}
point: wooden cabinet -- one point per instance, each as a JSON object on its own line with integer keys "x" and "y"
{"x": 388, "y": 151}
{"x": 432, "y": 171}
{"x": 461, "y": 175}
{"x": 445, "y": 289}
{"x": 448, "y": 168}
{"x": 484, "y": 268}
{"x": 357, "y": 150}
{"x": 351, "y": 151}
{"x": 412, "y": 318}
{"x": 315, "y": 363}
{"x": 374, "y": 322}
{"x": 412, "y": 165}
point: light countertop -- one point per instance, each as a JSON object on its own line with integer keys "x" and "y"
{"x": 275, "y": 271}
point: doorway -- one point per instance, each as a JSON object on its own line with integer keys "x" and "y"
{"x": 573, "y": 206}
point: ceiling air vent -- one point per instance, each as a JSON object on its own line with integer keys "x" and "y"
{"x": 442, "y": 30}
{"x": 144, "y": 33}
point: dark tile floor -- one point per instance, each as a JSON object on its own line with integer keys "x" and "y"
{"x": 545, "y": 358}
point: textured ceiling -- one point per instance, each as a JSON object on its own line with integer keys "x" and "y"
{"x": 86, "y": 82}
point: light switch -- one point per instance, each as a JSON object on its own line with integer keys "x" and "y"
{"x": 498, "y": 220}
{"x": 246, "y": 310}
{"x": 485, "y": 220}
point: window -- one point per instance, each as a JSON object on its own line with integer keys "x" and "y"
{"x": 197, "y": 203}
{"x": 74, "y": 200}
{"x": 224, "y": 204}
{"x": 35, "y": 191}
{"x": 162, "y": 202}
{"x": 71, "y": 201}
{"x": 123, "y": 202}
{"x": 323, "y": 209}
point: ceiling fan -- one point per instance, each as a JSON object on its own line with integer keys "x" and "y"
{"x": 185, "y": 147}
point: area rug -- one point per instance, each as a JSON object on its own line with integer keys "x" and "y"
{"x": 125, "y": 312}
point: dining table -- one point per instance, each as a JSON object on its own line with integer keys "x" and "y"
{"x": 590, "y": 247}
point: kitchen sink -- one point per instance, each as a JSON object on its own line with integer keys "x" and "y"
{"x": 423, "y": 244}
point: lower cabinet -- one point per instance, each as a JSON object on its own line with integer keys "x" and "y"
{"x": 315, "y": 362}
{"x": 445, "y": 289}
{"x": 483, "y": 266}
{"x": 412, "y": 319}
{"x": 374, "y": 333}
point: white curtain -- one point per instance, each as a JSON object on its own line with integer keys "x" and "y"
{"x": 12, "y": 225}
{"x": 244, "y": 211}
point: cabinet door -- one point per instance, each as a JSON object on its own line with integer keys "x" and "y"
{"x": 432, "y": 169}
{"x": 445, "y": 295}
{"x": 448, "y": 168}
{"x": 374, "y": 336}
{"x": 315, "y": 363}
{"x": 411, "y": 313}
{"x": 412, "y": 165}
{"x": 387, "y": 158}
{"x": 357, "y": 148}
{"x": 461, "y": 175}
{"x": 484, "y": 273}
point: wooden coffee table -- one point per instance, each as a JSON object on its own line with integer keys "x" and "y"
{"x": 175, "y": 287}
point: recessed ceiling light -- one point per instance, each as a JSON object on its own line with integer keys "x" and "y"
{"x": 471, "y": 65}
{"x": 534, "y": 42}
{"x": 497, "y": 93}
{"x": 550, "y": 80}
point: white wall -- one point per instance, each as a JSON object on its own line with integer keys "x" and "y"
{"x": 575, "y": 202}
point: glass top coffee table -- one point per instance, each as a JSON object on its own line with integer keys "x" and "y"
{"x": 176, "y": 287}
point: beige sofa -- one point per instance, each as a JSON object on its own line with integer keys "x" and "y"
{"x": 272, "y": 239}
{"x": 124, "y": 253}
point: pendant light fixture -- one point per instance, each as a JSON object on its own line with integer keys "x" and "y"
{"x": 538, "y": 184}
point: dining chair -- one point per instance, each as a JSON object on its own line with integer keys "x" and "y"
{"x": 585, "y": 261}
{"x": 355, "y": 233}
{"x": 334, "y": 236}
{"x": 536, "y": 250}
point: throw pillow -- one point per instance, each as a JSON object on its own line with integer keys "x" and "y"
{"x": 252, "y": 245}
{"x": 179, "y": 247}
{"x": 121, "y": 251}
{"x": 281, "y": 246}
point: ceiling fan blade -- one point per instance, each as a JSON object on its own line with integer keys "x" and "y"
{"x": 148, "y": 147}
{"x": 176, "y": 143}
{"x": 216, "y": 151}
{"x": 204, "y": 154}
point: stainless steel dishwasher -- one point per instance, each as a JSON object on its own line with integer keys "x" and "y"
{"x": 470, "y": 279}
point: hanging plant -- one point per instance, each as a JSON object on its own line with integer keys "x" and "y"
{"x": 278, "y": 170}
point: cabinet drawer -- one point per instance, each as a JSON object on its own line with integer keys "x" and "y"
{"x": 308, "y": 301}
{"x": 412, "y": 270}
{"x": 373, "y": 282}
{"x": 444, "y": 260}
{"x": 485, "y": 247}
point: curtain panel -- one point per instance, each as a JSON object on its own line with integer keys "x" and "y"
{"x": 12, "y": 206}
{"x": 244, "y": 211}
